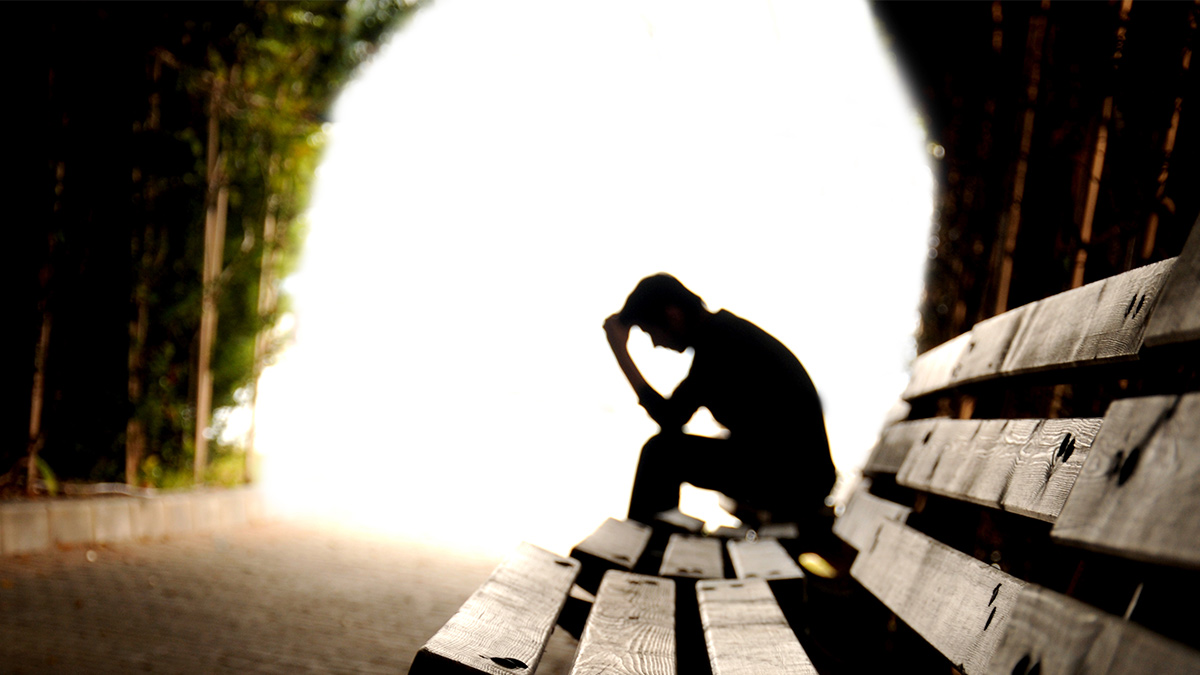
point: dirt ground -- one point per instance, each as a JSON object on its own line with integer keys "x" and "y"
{"x": 274, "y": 598}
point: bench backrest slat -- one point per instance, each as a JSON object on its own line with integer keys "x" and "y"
{"x": 693, "y": 557}
{"x": 1054, "y": 635}
{"x": 763, "y": 558}
{"x": 957, "y": 603}
{"x": 1177, "y": 319}
{"x": 1100, "y": 322}
{"x": 1025, "y": 466}
{"x": 746, "y": 632}
{"x": 1136, "y": 495}
{"x": 630, "y": 629}
{"x": 864, "y": 512}
{"x": 894, "y": 444}
{"x": 615, "y": 545}
{"x": 506, "y": 623}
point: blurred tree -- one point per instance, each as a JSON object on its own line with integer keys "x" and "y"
{"x": 167, "y": 121}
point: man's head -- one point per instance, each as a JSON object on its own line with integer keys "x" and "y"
{"x": 665, "y": 309}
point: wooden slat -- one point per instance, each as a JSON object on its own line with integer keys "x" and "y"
{"x": 745, "y": 631}
{"x": 894, "y": 444}
{"x": 864, "y": 512}
{"x": 933, "y": 369}
{"x": 1102, "y": 321}
{"x": 631, "y": 628}
{"x": 772, "y": 530}
{"x": 693, "y": 558}
{"x": 615, "y": 545}
{"x": 762, "y": 558}
{"x": 1024, "y": 466}
{"x": 1176, "y": 318}
{"x": 1137, "y": 493}
{"x": 989, "y": 344}
{"x": 958, "y": 604}
{"x": 946, "y": 437}
{"x": 503, "y": 627}
{"x": 1052, "y": 634}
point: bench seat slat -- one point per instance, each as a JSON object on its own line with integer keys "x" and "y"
{"x": 1024, "y": 466}
{"x": 631, "y": 628}
{"x": 506, "y": 623}
{"x": 1058, "y": 635}
{"x": 957, "y": 603}
{"x": 693, "y": 557}
{"x": 864, "y": 511}
{"x": 615, "y": 545}
{"x": 745, "y": 631}
{"x": 1136, "y": 495}
{"x": 762, "y": 558}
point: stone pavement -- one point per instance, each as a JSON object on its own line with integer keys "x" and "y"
{"x": 266, "y": 598}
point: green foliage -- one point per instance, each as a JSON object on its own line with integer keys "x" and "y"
{"x": 268, "y": 72}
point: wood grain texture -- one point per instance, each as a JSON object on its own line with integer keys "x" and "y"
{"x": 1177, "y": 317}
{"x": 1057, "y": 635}
{"x": 957, "y": 603}
{"x": 745, "y": 631}
{"x": 631, "y": 628}
{"x": 864, "y": 512}
{"x": 946, "y": 438}
{"x": 1024, "y": 466}
{"x": 763, "y": 558}
{"x": 894, "y": 444}
{"x": 934, "y": 369}
{"x": 1137, "y": 493}
{"x": 1102, "y": 321}
{"x": 989, "y": 343}
{"x": 503, "y": 627}
{"x": 615, "y": 545}
{"x": 693, "y": 557}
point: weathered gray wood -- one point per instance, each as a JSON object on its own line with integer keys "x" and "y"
{"x": 1177, "y": 316}
{"x": 1057, "y": 635}
{"x": 631, "y": 628}
{"x": 1025, "y": 466}
{"x": 988, "y": 345}
{"x": 615, "y": 545}
{"x": 745, "y": 631}
{"x": 894, "y": 444}
{"x": 1137, "y": 493}
{"x": 1102, "y": 321}
{"x": 503, "y": 627}
{"x": 762, "y": 558}
{"x": 934, "y": 369}
{"x": 772, "y": 530}
{"x": 945, "y": 438}
{"x": 864, "y": 511}
{"x": 957, "y": 603}
{"x": 693, "y": 558}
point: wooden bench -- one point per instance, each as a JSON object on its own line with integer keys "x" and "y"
{"x": 1038, "y": 511}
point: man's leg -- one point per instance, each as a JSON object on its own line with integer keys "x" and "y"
{"x": 667, "y": 461}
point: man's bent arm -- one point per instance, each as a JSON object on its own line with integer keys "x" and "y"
{"x": 661, "y": 410}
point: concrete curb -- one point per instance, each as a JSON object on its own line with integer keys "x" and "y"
{"x": 26, "y": 527}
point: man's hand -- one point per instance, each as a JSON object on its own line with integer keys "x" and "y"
{"x": 618, "y": 333}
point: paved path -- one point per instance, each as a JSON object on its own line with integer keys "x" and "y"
{"x": 276, "y": 598}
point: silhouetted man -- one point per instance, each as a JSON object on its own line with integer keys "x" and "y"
{"x": 776, "y": 457}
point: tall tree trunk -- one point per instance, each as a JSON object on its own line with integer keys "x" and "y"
{"x": 35, "y": 408}
{"x": 214, "y": 244}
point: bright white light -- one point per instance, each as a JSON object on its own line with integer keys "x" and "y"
{"x": 499, "y": 179}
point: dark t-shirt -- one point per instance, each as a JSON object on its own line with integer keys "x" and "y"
{"x": 755, "y": 387}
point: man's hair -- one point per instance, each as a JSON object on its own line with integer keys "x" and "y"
{"x": 648, "y": 302}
